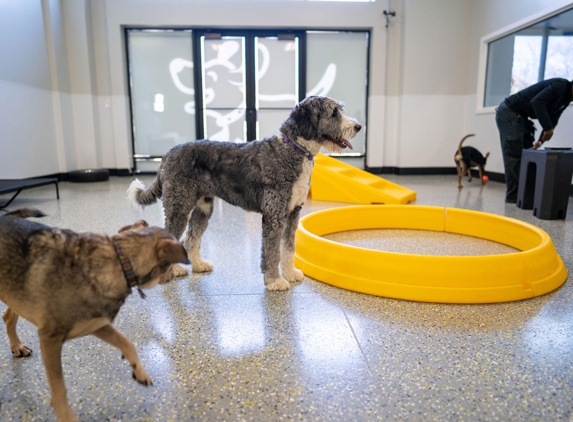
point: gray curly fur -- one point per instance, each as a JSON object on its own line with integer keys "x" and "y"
{"x": 257, "y": 176}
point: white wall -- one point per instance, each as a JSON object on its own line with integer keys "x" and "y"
{"x": 52, "y": 117}
{"x": 431, "y": 105}
{"x": 489, "y": 16}
{"x": 428, "y": 53}
{"x": 248, "y": 14}
{"x": 27, "y": 135}
{"x": 64, "y": 94}
{"x": 65, "y": 89}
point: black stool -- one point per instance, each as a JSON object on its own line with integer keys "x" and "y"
{"x": 544, "y": 183}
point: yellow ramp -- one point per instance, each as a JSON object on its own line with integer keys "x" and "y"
{"x": 335, "y": 181}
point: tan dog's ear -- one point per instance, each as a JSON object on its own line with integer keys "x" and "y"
{"x": 137, "y": 225}
{"x": 172, "y": 251}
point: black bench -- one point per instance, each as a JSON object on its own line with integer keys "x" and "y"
{"x": 18, "y": 185}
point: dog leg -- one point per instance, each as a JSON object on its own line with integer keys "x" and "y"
{"x": 115, "y": 338}
{"x": 179, "y": 270}
{"x": 176, "y": 217}
{"x": 460, "y": 175}
{"x": 469, "y": 170}
{"x": 197, "y": 226}
{"x": 18, "y": 349}
{"x": 51, "y": 347}
{"x": 288, "y": 270}
{"x": 480, "y": 170}
{"x": 273, "y": 228}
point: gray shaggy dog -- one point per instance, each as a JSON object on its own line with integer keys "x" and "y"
{"x": 270, "y": 177}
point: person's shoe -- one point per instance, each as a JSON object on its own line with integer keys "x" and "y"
{"x": 510, "y": 200}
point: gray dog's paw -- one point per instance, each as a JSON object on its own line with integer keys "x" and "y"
{"x": 202, "y": 266}
{"x": 278, "y": 284}
{"x": 21, "y": 350}
{"x": 180, "y": 270}
{"x": 293, "y": 275}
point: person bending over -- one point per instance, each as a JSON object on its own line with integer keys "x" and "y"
{"x": 544, "y": 101}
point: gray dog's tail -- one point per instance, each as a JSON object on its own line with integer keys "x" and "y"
{"x": 139, "y": 196}
{"x": 26, "y": 213}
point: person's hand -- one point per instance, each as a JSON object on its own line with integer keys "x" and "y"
{"x": 536, "y": 145}
{"x": 547, "y": 134}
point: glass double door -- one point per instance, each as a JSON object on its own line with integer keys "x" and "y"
{"x": 236, "y": 85}
{"x": 250, "y": 82}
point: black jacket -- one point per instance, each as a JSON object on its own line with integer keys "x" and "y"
{"x": 544, "y": 101}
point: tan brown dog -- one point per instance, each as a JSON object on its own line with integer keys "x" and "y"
{"x": 466, "y": 158}
{"x": 72, "y": 284}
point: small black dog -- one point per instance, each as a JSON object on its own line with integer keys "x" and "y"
{"x": 466, "y": 158}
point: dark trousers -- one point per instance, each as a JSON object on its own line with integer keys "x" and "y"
{"x": 516, "y": 133}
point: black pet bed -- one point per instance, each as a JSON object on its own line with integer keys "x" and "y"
{"x": 88, "y": 175}
{"x": 18, "y": 185}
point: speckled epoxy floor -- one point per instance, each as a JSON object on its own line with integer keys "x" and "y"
{"x": 219, "y": 347}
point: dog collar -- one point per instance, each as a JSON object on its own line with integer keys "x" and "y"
{"x": 298, "y": 147}
{"x": 127, "y": 268}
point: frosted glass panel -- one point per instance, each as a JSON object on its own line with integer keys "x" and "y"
{"x": 224, "y": 88}
{"x": 163, "y": 87}
{"x": 277, "y": 73}
{"x": 162, "y": 90}
{"x": 270, "y": 122}
{"x": 225, "y": 125}
{"x": 224, "y": 73}
{"x": 337, "y": 66}
{"x": 148, "y": 166}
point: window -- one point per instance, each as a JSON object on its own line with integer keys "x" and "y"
{"x": 337, "y": 68}
{"x": 236, "y": 85}
{"x": 522, "y": 58}
{"x": 159, "y": 116}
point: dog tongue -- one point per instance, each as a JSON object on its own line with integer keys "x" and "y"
{"x": 348, "y": 144}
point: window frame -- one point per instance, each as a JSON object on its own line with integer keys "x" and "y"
{"x": 564, "y": 6}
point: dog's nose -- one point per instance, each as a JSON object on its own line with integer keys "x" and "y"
{"x": 357, "y": 127}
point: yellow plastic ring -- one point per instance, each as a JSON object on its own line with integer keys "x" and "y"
{"x": 535, "y": 270}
